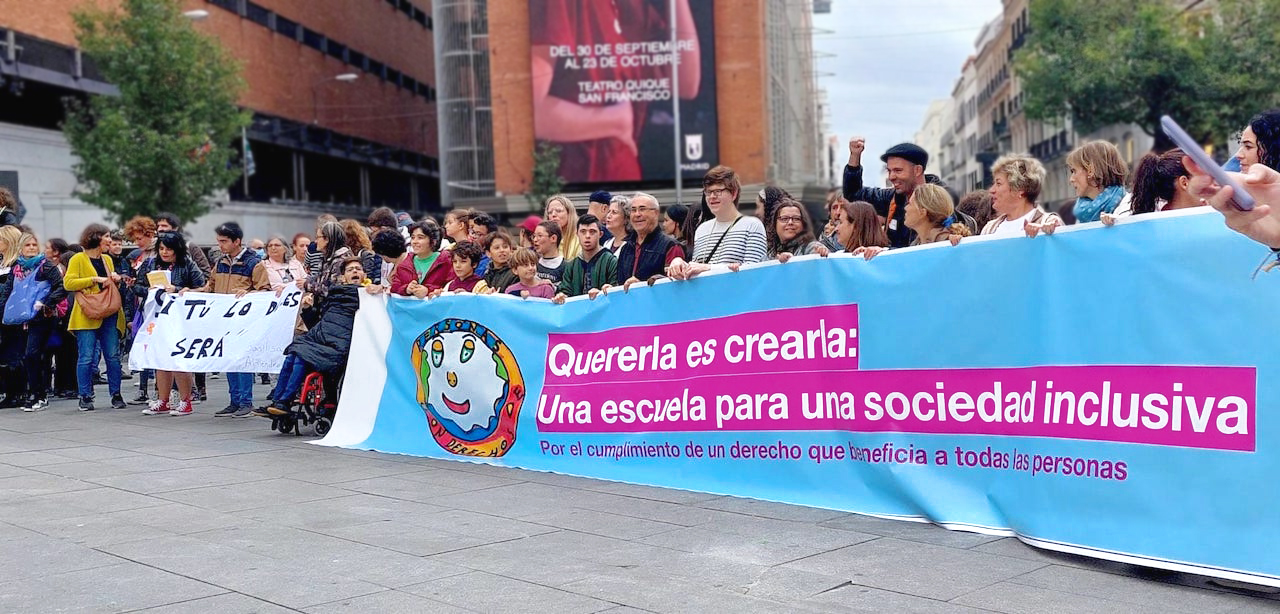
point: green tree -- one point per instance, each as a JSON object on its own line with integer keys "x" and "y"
{"x": 546, "y": 181}
{"x": 167, "y": 141}
{"x": 1103, "y": 62}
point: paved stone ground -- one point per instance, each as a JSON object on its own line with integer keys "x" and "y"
{"x": 112, "y": 511}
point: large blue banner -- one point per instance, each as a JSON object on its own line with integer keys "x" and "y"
{"x": 1105, "y": 391}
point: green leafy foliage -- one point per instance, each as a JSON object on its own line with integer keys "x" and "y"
{"x": 1103, "y": 62}
{"x": 167, "y": 141}
{"x": 546, "y": 181}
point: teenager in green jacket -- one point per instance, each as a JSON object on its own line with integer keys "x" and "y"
{"x": 594, "y": 267}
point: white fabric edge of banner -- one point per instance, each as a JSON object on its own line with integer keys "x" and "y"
{"x": 1134, "y": 559}
{"x": 366, "y": 375}
{"x": 1097, "y": 553}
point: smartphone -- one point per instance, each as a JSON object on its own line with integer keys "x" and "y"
{"x": 1242, "y": 199}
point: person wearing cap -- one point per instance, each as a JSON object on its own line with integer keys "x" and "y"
{"x": 906, "y": 164}
{"x": 598, "y": 205}
{"x": 527, "y": 227}
{"x": 403, "y": 222}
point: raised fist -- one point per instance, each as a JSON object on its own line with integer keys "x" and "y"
{"x": 857, "y": 145}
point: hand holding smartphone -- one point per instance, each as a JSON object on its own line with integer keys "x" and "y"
{"x": 1241, "y": 199}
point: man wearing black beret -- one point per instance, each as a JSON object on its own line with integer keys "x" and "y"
{"x": 906, "y": 163}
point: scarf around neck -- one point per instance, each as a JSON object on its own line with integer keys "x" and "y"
{"x": 29, "y": 264}
{"x": 1091, "y": 209}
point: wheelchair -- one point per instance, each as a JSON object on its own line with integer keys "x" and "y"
{"x": 316, "y": 406}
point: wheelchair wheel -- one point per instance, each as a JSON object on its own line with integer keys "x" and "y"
{"x": 285, "y": 425}
{"x": 322, "y": 426}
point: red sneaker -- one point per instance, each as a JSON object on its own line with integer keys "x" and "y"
{"x": 183, "y": 409}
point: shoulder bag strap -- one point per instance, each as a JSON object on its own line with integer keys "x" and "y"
{"x": 726, "y": 233}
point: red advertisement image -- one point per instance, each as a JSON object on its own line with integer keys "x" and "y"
{"x": 605, "y": 88}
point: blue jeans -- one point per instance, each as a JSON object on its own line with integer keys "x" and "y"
{"x": 241, "y": 385}
{"x": 88, "y": 342}
{"x": 290, "y": 382}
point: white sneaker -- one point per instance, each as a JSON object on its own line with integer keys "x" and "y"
{"x": 35, "y": 406}
{"x": 156, "y": 408}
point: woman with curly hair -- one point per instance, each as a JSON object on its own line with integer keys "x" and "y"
{"x": 89, "y": 272}
{"x": 790, "y": 232}
{"x": 183, "y": 274}
{"x": 357, "y": 240}
{"x": 1260, "y": 141}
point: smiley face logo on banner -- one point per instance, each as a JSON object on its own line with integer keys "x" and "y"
{"x": 470, "y": 387}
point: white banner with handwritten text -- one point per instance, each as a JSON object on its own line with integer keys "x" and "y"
{"x": 208, "y": 333}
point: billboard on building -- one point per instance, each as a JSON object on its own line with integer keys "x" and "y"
{"x": 603, "y": 88}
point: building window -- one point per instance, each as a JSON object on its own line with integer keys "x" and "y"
{"x": 337, "y": 50}
{"x": 286, "y": 27}
{"x": 257, "y": 14}
{"x": 357, "y": 59}
{"x": 313, "y": 39}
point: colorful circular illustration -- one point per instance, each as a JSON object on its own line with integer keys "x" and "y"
{"x": 470, "y": 387}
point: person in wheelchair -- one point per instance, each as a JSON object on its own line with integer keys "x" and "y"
{"x": 325, "y": 345}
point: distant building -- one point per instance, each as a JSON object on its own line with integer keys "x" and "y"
{"x": 991, "y": 122}
{"x": 937, "y": 123}
{"x": 319, "y": 142}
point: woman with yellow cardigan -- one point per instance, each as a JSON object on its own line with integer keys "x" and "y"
{"x": 88, "y": 272}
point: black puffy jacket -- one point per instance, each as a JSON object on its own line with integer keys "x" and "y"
{"x": 327, "y": 342}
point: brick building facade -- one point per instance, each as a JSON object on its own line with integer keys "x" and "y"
{"x": 342, "y": 92}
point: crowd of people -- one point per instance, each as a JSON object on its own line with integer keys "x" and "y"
{"x": 70, "y": 308}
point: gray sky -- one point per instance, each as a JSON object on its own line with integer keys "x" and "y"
{"x": 891, "y": 58}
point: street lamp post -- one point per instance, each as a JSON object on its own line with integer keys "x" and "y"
{"x": 675, "y": 100}
{"x": 315, "y": 96}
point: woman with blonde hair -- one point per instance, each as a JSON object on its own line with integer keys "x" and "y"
{"x": 1016, "y": 180}
{"x": 1097, "y": 174}
{"x": 932, "y": 215}
{"x": 13, "y": 339}
{"x": 564, "y": 213}
{"x": 43, "y": 323}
